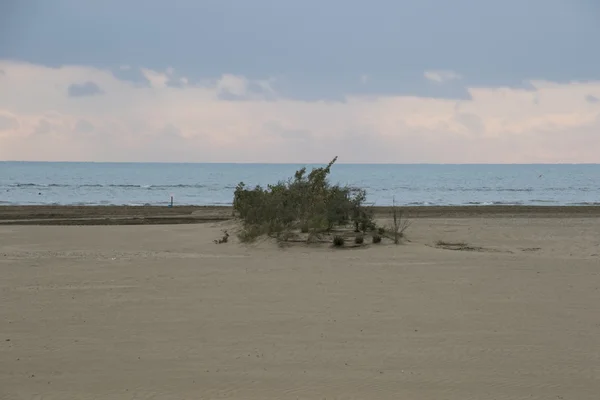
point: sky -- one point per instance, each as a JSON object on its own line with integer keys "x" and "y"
{"x": 380, "y": 81}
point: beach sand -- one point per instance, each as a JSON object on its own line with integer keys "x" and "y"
{"x": 160, "y": 311}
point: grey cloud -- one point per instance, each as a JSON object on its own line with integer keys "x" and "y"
{"x": 346, "y": 39}
{"x": 174, "y": 83}
{"x": 84, "y": 89}
{"x": 226, "y": 95}
{"x": 2, "y": 72}
{"x": 8, "y": 122}
{"x": 84, "y": 126}
{"x": 256, "y": 88}
{"x": 254, "y": 91}
{"x": 177, "y": 81}
{"x": 133, "y": 75}
{"x": 592, "y": 99}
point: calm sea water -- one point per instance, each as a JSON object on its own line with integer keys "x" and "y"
{"x": 213, "y": 184}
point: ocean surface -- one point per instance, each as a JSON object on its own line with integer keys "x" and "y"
{"x": 29, "y": 183}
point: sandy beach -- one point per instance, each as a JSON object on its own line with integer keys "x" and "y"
{"x": 139, "y": 303}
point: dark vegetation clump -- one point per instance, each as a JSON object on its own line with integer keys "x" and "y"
{"x": 399, "y": 224}
{"x": 338, "y": 241}
{"x": 307, "y": 203}
{"x": 359, "y": 239}
{"x": 223, "y": 239}
{"x": 307, "y": 208}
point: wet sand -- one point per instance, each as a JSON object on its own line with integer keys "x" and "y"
{"x": 144, "y": 215}
{"x": 160, "y": 311}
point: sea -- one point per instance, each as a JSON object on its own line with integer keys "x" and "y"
{"x": 87, "y": 183}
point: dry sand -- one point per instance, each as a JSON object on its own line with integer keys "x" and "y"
{"x": 159, "y": 311}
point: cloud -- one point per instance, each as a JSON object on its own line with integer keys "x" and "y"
{"x": 83, "y": 126}
{"x": 326, "y": 61}
{"x": 130, "y": 74}
{"x": 8, "y": 122}
{"x": 43, "y": 127}
{"x": 84, "y": 89}
{"x": 238, "y": 88}
{"x": 441, "y": 76}
{"x": 592, "y": 99}
{"x": 236, "y": 118}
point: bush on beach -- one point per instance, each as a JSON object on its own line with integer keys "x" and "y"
{"x": 307, "y": 203}
{"x": 338, "y": 241}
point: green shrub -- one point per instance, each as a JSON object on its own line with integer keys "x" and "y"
{"x": 376, "y": 238}
{"x": 338, "y": 241}
{"x": 306, "y": 202}
{"x": 359, "y": 239}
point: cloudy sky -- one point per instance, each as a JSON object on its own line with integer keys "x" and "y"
{"x": 381, "y": 81}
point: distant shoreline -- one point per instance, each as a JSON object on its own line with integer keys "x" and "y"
{"x": 151, "y": 215}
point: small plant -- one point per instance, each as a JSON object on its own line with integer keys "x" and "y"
{"x": 376, "y": 238}
{"x": 400, "y": 223}
{"x": 223, "y": 239}
{"x": 338, "y": 241}
{"x": 359, "y": 239}
{"x": 381, "y": 231}
{"x": 442, "y": 244}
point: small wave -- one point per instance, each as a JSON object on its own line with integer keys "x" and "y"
{"x": 486, "y": 189}
{"x": 153, "y": 187}
{"x": 125, "y": 186}
{"x": 526, "y": 190}
{"x": 178, "y": 186}
{"x": 97, "y": 185}
{"x": 35, "y": 185}
{"x": 27, "y": 185}
{"x": 91, "y": 203}
{"x": 492, "y": 203}
{"x": 213, "y": 187}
